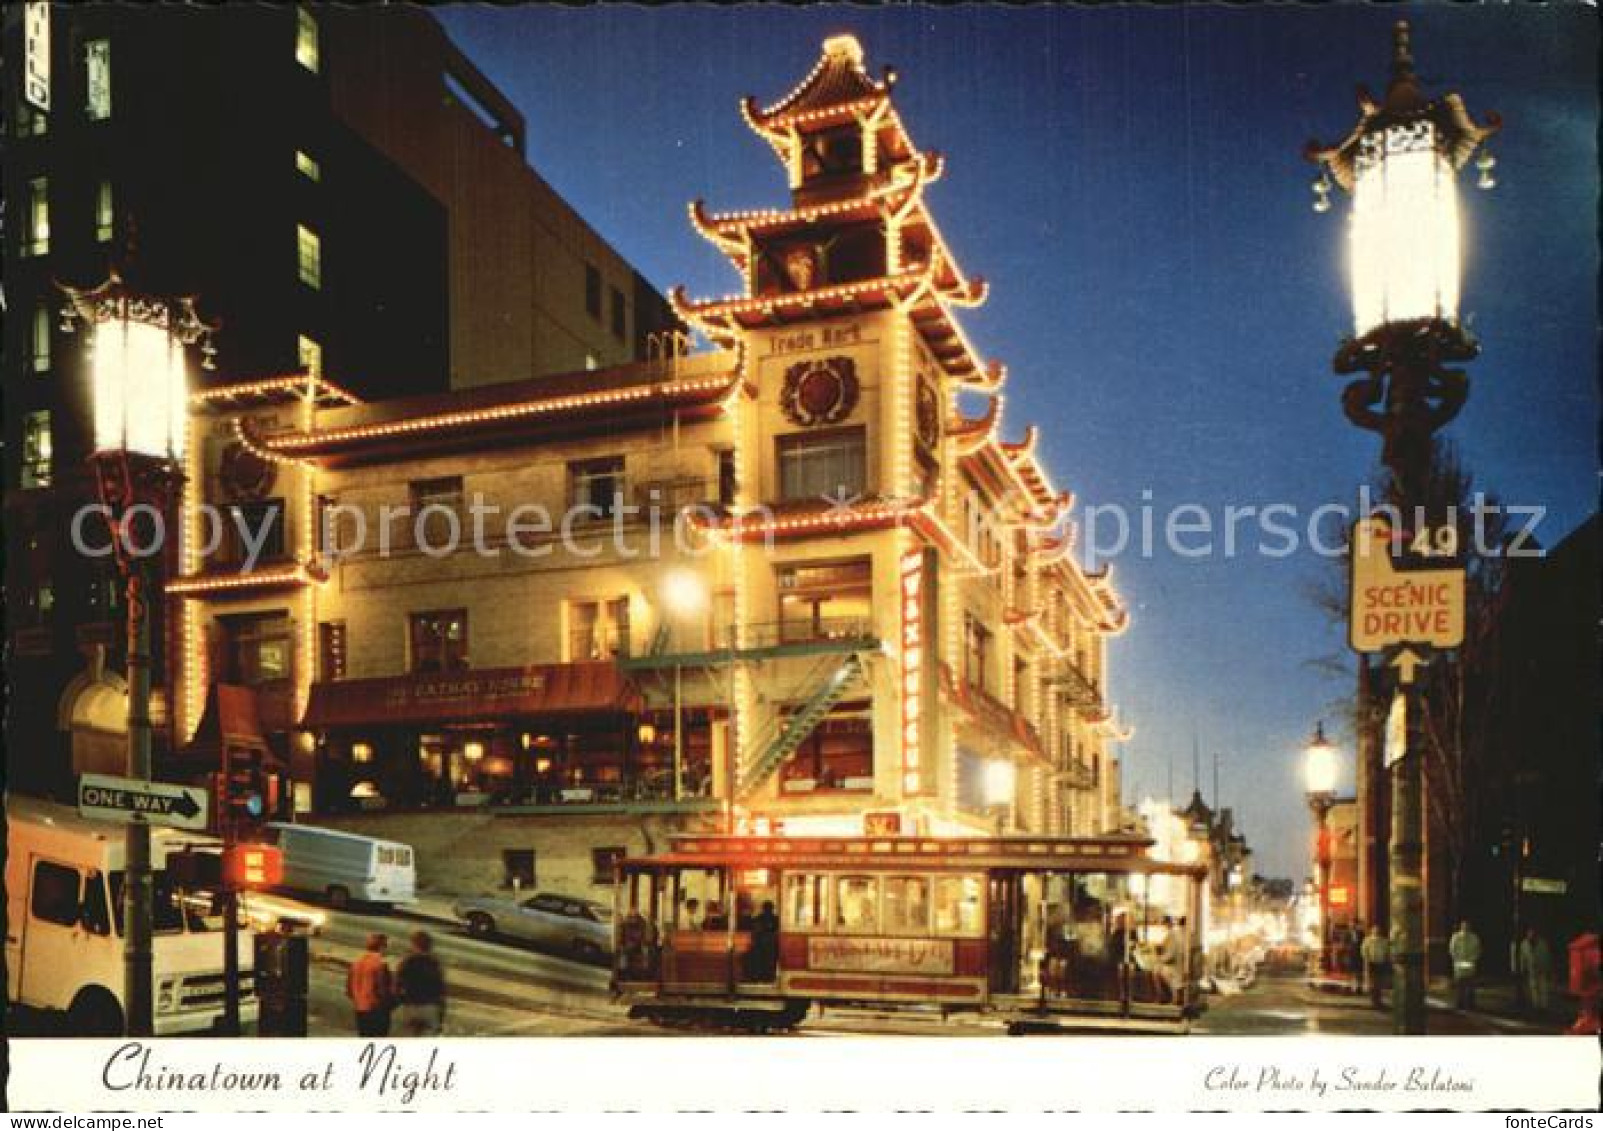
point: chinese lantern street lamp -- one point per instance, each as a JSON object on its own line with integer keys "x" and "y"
{"x": 140, "y": 393}
{"x": 1319, "y": 782}
{"x": 1400, "y": 164}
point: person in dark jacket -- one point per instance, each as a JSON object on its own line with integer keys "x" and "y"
{"x": 420, "y": 990}
{"x": 762, "y": 961}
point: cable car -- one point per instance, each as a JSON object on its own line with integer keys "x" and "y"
{"x": 1036, "y": 933}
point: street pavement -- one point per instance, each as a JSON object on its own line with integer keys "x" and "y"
{"x": 1281, "y": 1005}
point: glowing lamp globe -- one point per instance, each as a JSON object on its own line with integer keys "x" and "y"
{"x": 1000, "y": 781}
{"x": 1320, "y": 766}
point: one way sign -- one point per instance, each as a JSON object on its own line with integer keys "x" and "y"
{"x": 159, "y": 802}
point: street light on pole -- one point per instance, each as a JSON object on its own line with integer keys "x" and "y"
{"x": 1400, "y": 163}
{"x": 1319, "y": 782}
{"x": 140, "y": 399}
{"x": 684, "y": 595}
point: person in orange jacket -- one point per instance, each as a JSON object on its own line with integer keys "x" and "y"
{"x": 371, "y": 988}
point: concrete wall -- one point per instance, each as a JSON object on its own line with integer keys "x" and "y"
{"x": 460, "y": 853}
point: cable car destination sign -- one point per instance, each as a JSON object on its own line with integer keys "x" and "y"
{"x": 1394, "y": 605}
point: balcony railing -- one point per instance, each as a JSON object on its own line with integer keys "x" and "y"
{"x": 1081, "y": 693}
{"x": 674, "y": 495}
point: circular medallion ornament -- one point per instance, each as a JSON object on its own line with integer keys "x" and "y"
{"x": 927, "y": 413}
{"x": 819, "y": 392}
{"x": 245, "y": 474}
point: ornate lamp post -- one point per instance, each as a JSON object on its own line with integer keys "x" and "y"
{"x": 1400, "y": 164}
{"x": 1319, "y": 780}
{"x": 140, "y": 399}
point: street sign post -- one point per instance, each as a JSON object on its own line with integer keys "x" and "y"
{"x": 107, "y": 798}
{"x": 1394, "y": 605}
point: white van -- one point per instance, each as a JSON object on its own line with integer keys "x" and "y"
{"x": 342, "y": 867}
{"x": 64, "y": 944}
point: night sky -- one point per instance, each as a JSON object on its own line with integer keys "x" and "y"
{"x": 1130, "y": 182}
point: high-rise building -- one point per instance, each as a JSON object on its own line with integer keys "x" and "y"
{"x": 247, "y": 155}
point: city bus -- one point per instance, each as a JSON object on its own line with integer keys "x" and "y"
{"x": 1033, "y": 933}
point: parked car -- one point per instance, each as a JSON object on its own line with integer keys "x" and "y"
{"x": 580, "y": 927}
{"x": 342, "y": 867}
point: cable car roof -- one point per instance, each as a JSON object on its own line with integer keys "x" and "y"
{"x": 1101, "y": 854}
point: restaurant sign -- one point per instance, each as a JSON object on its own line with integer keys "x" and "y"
{"x": 486, "y": 690}
{"x": 879, "y": 955}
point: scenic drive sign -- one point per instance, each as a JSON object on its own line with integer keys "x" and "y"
{"x": 160, "y": 803}
{"x": 1395, "y": 605}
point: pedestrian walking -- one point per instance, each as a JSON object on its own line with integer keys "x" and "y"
{"x": 420, "y": 990}
{"x": 1376, "y": 954}
{"x": 370, "y": 987}
{"x": 1464, "y": 948}
{"x": 1536, "y": 970}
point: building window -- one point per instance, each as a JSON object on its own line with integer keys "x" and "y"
{"x": 105, "y": 213}
{"x": 260, "y": 648}
{"x": 603, "y": 864}
{"x": 331, "y": 650}
{"x": 97, "y": 79}
{"x": 976, "y": 651}
{"x": 591, "y": 362}
{"x": 440, "y": 641}
{"x": 41, "y": 338}
{"x": 309, "y": 353}
{"x": 596, "y": 484}
{"x": 825, "y": 602}
{"x": 728, "y": 482}
{"x": 437, "y": 511}
{"x": 36, "y": 222}
{"x": 31, "y": 122}
{"x": 1021, "y": 681}
{"x": 817, "y": 465}
{"x": 592, "y": 290}
{"x": 598, "y": 630}
{"x": 518, "y": 865}
{"x": 37, "y": 449}
{"x": 309, "y": 256}
{"x": 307, "y": 167}
{"x": 307, "y": 52}
{"x": 619, "y": 318}
{"x": 837, "y": 755}
{"x": 257, "y": 526}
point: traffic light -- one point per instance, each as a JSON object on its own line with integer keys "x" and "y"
{"x": 244, "y": 790}
{"x": 252, "y": 866}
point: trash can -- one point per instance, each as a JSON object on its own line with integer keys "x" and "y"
{"x": 283, "y": 979}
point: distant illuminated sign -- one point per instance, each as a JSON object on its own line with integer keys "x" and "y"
{"x": 36, "y": 55}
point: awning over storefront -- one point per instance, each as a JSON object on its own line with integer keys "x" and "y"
{"x": 231, "y": 720}
{"x": 472, "y": 696}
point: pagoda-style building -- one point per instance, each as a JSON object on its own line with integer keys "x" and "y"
{"x": 964, "y": 681}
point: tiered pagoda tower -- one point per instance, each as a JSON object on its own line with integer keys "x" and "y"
{"x": 913, "y": 631}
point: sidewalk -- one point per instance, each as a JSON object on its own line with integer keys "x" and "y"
{"x": 1497, "y": 1003}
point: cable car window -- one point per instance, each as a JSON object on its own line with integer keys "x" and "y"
{"x": 957, "y": 906}
{"x": 907, "y": 905}
{"x": 804, "y": 902}
{"x": 857, "y": 904}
